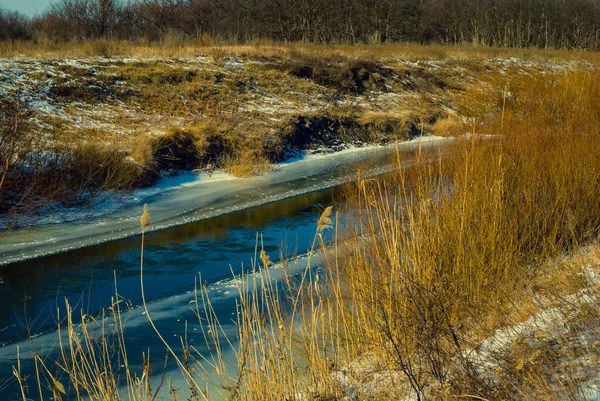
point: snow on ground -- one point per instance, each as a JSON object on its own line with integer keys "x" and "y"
{"x": 324, "y": 153}
{"x": 560, "y": 323}
{"x": 195, "y": 196}
{"x": 35, "y": 78}
{"x": 184, "y": 179}
{"x": 557, "y": 321}
{"x": 109, "y": 202}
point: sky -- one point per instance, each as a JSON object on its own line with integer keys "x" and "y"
{"x": 27, "y": 7}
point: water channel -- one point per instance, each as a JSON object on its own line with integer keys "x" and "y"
{"x": 33, "y": 292}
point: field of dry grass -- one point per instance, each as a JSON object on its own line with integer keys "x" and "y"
{"x": 265, "y": 48}
{"x": 469, "y": 277}
{"x": 463, "y": 278}
{"x": 127, "y": 113}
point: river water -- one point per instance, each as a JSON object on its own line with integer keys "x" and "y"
{"x": 33, "y": 292}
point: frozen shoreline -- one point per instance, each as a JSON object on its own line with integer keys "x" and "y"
{"x": 192, "y": 197}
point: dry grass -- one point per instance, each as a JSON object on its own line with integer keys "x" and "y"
{"x": 449, "y": 246}
{"x": 104, "y": 48}
{"x": 432, "y": 261}
{"x": 36, "y": 174}
{"x": 451, "y": 126}
{"x": 241, "y": 104}
{"x": 247, "y": 164}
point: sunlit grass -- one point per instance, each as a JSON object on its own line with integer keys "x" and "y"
{"x": 429, "y": 262}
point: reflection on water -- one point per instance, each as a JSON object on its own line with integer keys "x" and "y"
{"x": 32, "y": 290}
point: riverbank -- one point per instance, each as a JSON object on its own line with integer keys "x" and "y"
{"x": 421, "y": 284}
{"x": 75, "y": 127}
{"x": 467, "y": 278}
{"x": 193, "y": 197}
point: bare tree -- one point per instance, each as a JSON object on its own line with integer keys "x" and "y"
{"x": 14, "y": 26}
{"x": 162, "y": 14}
{"x": 509, "y": 23}
{"x": 103, "y": 15}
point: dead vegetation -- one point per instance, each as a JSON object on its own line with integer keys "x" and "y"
{"x": 242, "y": 112}
{"x": 348, "y": 75}
{"x": 464, "y": 277}
{"x": 241, "y": 108}
{"x": 455, "y": 249}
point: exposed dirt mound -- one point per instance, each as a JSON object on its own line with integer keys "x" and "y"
{"x": 420, "y": 79}
{"x": 334, "y": 132}
{"x": 80, "y": 93}
{"x": 385, "y": 127}
{"x": 214, "y": 147}
{"x": 353, "y": 76}
{"x": 323, "y": 131}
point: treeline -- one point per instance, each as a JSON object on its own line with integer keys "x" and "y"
{"x": 14, "y": 26}
{"x": 508, "y": 23}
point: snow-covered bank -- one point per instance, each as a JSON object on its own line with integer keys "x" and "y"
{"x": 188, "y": 198}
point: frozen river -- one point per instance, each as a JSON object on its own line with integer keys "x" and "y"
{"x": 200, "y": 228}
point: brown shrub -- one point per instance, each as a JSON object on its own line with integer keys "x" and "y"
{"x": 177, "y": 149}
{"x": 449, "y": 126}
{"x": 384, "y": 127}
{"x": 247, "y": 164}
